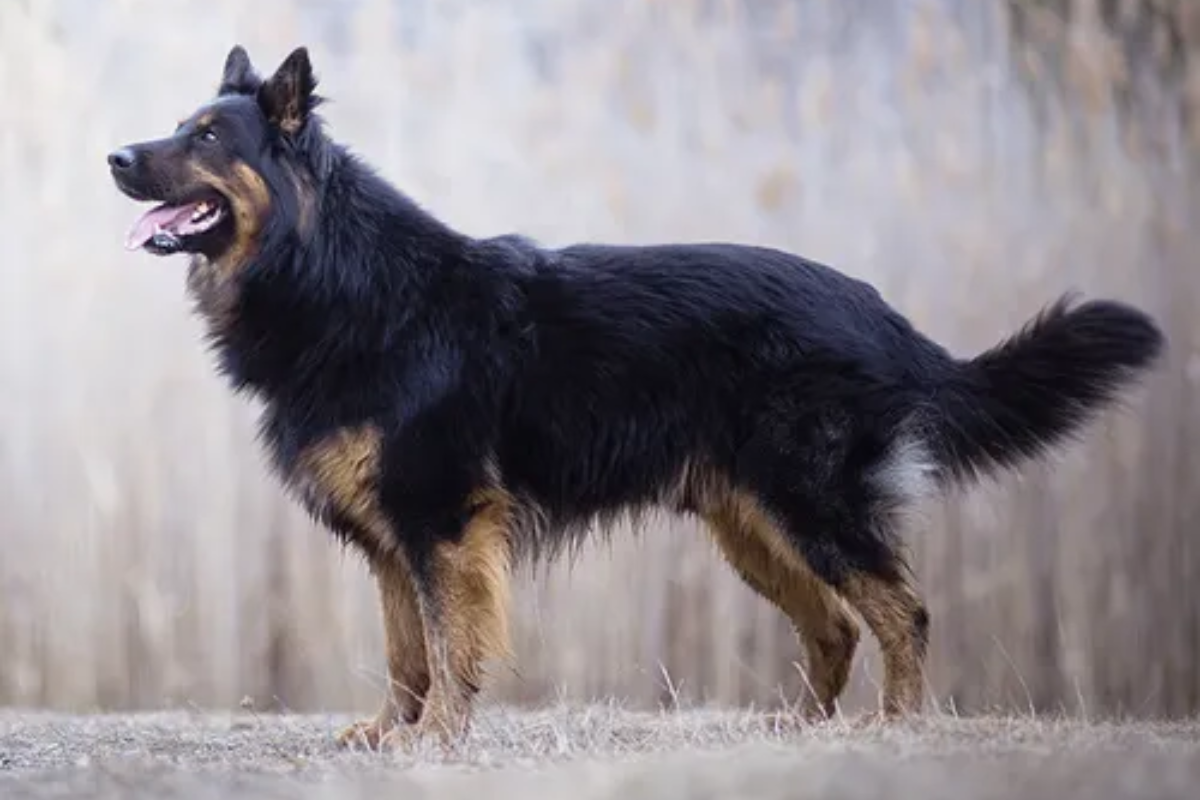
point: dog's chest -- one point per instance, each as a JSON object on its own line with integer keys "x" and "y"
{"x": 214, "y": 292}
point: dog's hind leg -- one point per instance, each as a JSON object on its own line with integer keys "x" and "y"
{"x": 404, "y": 645}
{"x": 759, "y": 553}
{"x": 896, "y": 616}
{"x": 838, "y": 490}
{"x": 462, "y": 589}
{"x": 874, "y": 579}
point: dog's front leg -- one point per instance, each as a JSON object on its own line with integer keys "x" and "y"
{"x": 404, "y": 644}
{"x": 462, "y": 590}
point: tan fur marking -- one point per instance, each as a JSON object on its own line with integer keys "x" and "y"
{"x": 476, "y": 584}
{"x": 490, "y": 497}
{"x": 404, "y": 646}
{"x": 404, "y": 635}
{"x": 341, "y": 472}
{"x": 891, "y": 610}
{"x": 249, "y": 201}
{"x": 212, "y": 283}
{"x": 760, "y": 554}
{"x": 471, "y": 583}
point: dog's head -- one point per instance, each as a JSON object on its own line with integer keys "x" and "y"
{"x": 231, "y": 167}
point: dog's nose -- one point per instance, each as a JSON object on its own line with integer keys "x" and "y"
{"x": 121, "y": 159}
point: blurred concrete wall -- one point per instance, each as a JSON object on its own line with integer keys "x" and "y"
{"x": 975, "y": 159}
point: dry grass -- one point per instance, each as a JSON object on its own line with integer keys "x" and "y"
{"x": 597, "y": 751}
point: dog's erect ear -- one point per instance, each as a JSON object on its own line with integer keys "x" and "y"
{"x": 287, "y": 96}
{"x": 239, "y": 76}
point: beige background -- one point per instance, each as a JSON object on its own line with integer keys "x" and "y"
{"x": 972, "y": 172}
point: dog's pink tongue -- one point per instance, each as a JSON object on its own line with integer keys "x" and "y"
{"x": 162, "y": 218}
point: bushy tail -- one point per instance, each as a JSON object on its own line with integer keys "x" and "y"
{"x": 1040, "y": 386}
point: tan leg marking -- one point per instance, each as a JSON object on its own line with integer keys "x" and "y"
{"x": 896, "y": 616}
{"x": 341, "y": 473}
{"x": 404, "y": 644}
{"x": 466, "y": 620}
{"x": 767, "y": 563}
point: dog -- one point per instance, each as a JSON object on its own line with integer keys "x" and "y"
{"x": 449, "y": 405}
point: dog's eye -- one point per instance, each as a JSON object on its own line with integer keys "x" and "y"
{"x": 208, "y": 136}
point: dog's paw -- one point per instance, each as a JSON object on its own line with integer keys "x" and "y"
{"x": 868, "y": 720}
{"x": 795, "y": 721}
{"x": 418, "y": 738}
{"x": 368, "y": 734}
{"x": 430, "y": 731}
{"x": 883, "y": 719}
{"x": 402, "y": 740}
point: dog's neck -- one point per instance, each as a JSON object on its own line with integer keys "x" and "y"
{"x": 338, "y": 320}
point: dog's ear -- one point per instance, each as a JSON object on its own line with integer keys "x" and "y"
{"x": 239, "y": 76}
{"x": 287, "y": 96}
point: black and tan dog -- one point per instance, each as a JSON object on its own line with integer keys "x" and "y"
{"x": 450, "y": 404}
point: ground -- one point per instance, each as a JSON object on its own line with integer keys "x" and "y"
{"x": 596, "y": 752}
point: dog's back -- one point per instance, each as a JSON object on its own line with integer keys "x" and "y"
{"x": 649, "y": 364}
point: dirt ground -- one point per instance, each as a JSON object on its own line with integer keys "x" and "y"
{"x": 596, "y": 752}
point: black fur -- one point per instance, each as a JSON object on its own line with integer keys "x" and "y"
{"x": 583, "y": 380}
{"x": 1040, "y": 386}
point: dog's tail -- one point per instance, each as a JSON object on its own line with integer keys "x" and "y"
{"x": 1038, "y": 387}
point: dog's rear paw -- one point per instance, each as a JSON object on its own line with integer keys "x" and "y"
{"x": 368, "y": 734}
{"x": 410, "y": 739}
{"x": 884, "y": 718}
{"x": 795, "y": 721}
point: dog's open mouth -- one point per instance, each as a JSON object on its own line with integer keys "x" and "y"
{"x": 164, "y": 228}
